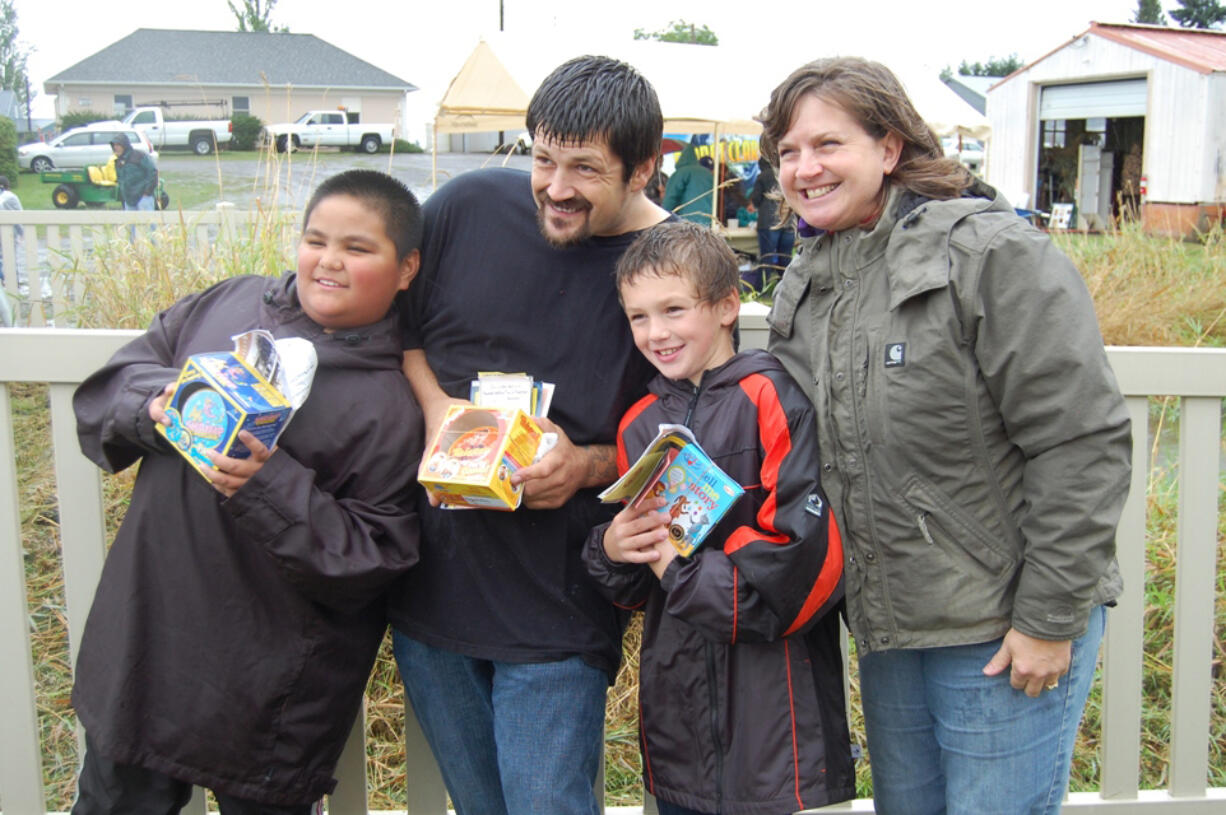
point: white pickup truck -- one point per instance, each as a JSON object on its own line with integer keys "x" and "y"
{"x": 202, "y": 136}
{"x": 328, "y": 128}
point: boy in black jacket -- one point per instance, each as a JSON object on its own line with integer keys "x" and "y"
{"x": 236, "y": 621}
{"x": 741, "y": 677}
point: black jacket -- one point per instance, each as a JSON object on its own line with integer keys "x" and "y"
{"x": 741, "y": 674}
{"x": 230, "y": 641}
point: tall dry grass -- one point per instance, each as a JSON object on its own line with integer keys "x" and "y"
{"x": 1147, "y": 291}
{"x": 1154, "y": 291}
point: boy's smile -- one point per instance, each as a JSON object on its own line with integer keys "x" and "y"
{"x": 348, "y": 273}
{"x": 681, "y": 335}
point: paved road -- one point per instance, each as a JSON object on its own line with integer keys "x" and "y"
{"x": 288, "y": 180}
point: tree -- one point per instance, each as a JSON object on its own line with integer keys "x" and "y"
{"x": 1002, "y": 66}
{"x": 13, "y": 55}
{"x": 1149, "y": 12}
{"x": 255, "y": 15}
{"x": 1199, "y": 13}
{"x": 680, "y": 31}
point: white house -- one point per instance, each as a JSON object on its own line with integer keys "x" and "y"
{"x": 1121, "y": 119}
{"x": 275, "y": 76}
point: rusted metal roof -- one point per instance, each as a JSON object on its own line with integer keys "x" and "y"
{"x": 1202, "y": 51}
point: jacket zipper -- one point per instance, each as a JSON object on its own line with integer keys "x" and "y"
{"x": 712, "y": 693}
{"x": 689, "y": 411}
{"x": 716, "y": 742}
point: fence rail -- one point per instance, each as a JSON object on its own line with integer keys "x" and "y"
{"x": 38, "y": 248}
{"x": 62, "y": 357}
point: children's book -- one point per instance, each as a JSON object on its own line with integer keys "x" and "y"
{"x": 674, "y": 466}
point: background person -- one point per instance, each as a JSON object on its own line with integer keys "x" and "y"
{"x": 136, "y": 173}
{"x": 975, "y": 443}
{"x": 505, "y": 645}
{"x": 775, "y": 239}
{"x": 689, "y": 188}
{"x": 9, "y": 201}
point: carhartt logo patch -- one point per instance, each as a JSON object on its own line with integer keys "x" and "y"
{"x": 896, "y": 355}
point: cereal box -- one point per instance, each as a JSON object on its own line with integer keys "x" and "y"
{"x": 472, "y": 457}
{"x": 216, "y": 396}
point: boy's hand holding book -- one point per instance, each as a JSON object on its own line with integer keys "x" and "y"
{"x": 639, "y": 534}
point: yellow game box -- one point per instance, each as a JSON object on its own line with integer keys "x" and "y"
{"x": 471, "y": 459}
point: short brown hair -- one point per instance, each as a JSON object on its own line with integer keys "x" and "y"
{"x": 874, "y": 97}
{"x": 686, "y": 250}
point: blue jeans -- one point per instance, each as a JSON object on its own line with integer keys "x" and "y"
{"x": 944, "y": 738}
{"x": 774, "y": 255}
{"x": 510, "y": 738}
{"x": 145, "y": 204}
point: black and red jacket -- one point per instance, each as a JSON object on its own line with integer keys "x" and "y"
{"x": 741, "y": 675}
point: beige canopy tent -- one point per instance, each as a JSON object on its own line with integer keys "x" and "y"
{"x": 702, "y": 89}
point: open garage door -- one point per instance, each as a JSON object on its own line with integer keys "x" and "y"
{"x": 1091, "y": 146}
{"x": 1090, "y": 100}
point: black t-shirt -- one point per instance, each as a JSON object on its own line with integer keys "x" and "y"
{"x": 494, "y": 295}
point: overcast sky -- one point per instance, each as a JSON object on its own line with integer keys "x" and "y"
{"x": 425, "y": 43}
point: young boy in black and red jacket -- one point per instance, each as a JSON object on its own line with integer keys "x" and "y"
{"x": 741, "y": 675}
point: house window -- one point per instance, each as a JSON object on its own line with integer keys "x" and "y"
{"x": 123, "y": 104}
{"x": 241, "y": 104}
{"x": 84, "y": 102}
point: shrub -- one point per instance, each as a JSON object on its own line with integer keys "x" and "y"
{"x": 246, "y": 131}
{"x": 8, "y": 149}
{"x": 403, "y": 146}
{"x": 82, "y": 117}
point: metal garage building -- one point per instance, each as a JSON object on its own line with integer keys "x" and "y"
{"x": 1121, "y": 121}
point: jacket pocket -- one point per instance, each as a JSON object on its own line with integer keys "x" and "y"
{"x": 943, "y": 523}
{"x": 788, "y": 296}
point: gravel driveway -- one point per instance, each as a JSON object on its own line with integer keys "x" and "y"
{"x": 289, "y": 179}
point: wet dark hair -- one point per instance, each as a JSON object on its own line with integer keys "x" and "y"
{"x": 873, "y": 96}
{"x": 599, "y": 97}
{"x": 682, "y": 249}
{"x": 391, "y": 199}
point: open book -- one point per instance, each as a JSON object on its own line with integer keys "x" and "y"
{"x": 676, "y": 468}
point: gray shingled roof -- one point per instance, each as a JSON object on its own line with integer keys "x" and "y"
{"x": 150, "y": 55}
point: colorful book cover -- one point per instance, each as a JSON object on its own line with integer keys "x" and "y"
{"x": 674, "y": 466}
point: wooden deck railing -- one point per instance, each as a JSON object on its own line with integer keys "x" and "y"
{"x": 61, "y": 357}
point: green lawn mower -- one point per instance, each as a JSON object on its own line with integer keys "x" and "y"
{"x": 93, "y": 186}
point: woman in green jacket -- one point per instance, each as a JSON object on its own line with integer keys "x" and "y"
{"x": 975, "y": 445}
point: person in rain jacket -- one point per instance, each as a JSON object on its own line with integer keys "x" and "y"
{"x": 741, "y": 674}
{"x": 237, "y": 618}
{"x": 688, "y": 192}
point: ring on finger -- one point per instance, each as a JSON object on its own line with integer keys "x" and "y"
{"x": 1052, "y": 685}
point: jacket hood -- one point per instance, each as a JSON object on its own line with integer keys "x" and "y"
{"x": 121, "y": 138}
{"x": 918, "y": 251}
{"x": 752, "y": 361}
{"x": 373, "y": 347}
{"x": 689, "y": 155}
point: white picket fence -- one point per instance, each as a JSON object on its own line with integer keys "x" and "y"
{"x": 63, "y": 357}
{"x": 45, "y": 255}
